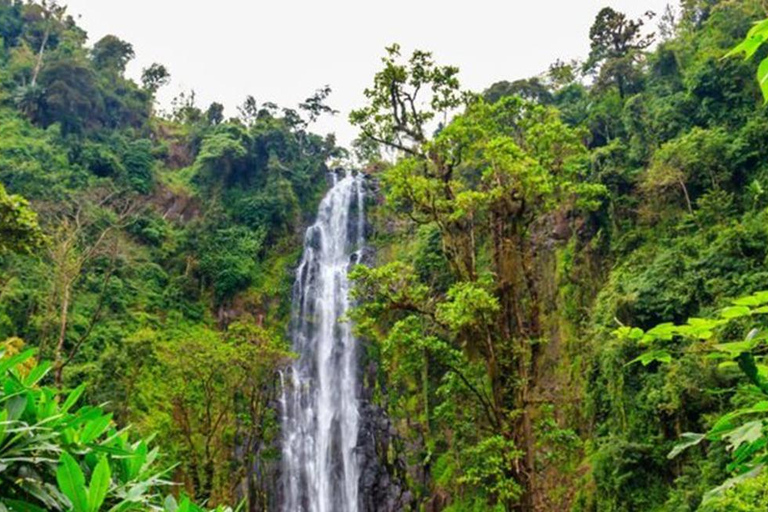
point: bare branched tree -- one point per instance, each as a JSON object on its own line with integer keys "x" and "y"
{"x": 81, "y": 232}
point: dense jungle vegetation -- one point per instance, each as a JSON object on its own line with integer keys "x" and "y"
{"x": 566, "y": 308}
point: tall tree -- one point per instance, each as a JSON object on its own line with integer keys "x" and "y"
{"x": 112, "y": 53}
{"x": 52, "y": 14}
{"x": 617, "y": 43}
{"x": 80, "y": 234}
{"x": 154, "y": 77}
{"x": 483, "y": 180}
{"x": 406, "y": 98}
{"x": 315, "y": 105}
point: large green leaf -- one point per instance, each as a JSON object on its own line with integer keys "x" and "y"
{"x": 732, "y": 312}
{"x": 37, "y": 373}
{"x": 72, "y": 482}
{"x": 757, "y": 35}
{"x": 21, "y": 506}
{"x": 4, "y": 423}
{"x": 170, "y": 504}
{"x": 762, "y": 78}
{"x": 688, "y": 439}
{"x": 664, "y": 332}
{"x": 748, "y": 365}
{"x": 661, "y": 356}
{"x": 100, "y": 481}
{"x": 754, "y": 300}
{"x": 94, "y": 428}
{"x": 72, "y": 398}
{"x": 135, "y": 463}
{"x": 731, "y": 482}
{"x": 725, "y": 424}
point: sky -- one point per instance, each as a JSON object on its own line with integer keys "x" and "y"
{"x": 283, "y": 50}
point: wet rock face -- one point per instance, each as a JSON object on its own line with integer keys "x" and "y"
{"x": 382, "y": 469}
{"x": 382, "y": 488}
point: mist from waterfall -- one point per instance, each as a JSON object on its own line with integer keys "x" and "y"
{"x": 319, "y": 402}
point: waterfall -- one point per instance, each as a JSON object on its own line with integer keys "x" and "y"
{"x": 319, "y": 399}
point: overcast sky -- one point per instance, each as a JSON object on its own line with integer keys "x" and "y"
{"x": 282, "y": 50}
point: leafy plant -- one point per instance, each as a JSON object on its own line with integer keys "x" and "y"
{"x": 19, "y": 230}
{"x": 54, "y": 456}
{"x": 756, "y": 37}
{"x": 742, "y": 430}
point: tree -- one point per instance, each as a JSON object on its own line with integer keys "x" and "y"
{"x": 81, "y": 233}
{"x": 617, "y": 44}
{"x": 405, "y": 98}
{"x": 315, "y": 105}
{"x": 692, "y": 163}
{"x": 53, "y": 14}
{"x": 562, "y": 74}
{"x": 215, "y": 114}
{"x": 216, "y": 386}
{"x": 249, "y": 111}
{"x": 154, "y": 77}
{"x": 530, "y": 89}
{"x": 228, "y": 260}
{"x": 138, "y": 162}
{"x": 111, "y": 53}
{"x": 72, "y": 96}
{"x": 223, "y": 156}
{"x": 482, "y": 181}
{"x": 11, "y": 24}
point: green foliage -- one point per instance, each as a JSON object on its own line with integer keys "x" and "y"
{"x": 616, "y": 46}
{"x": 19, "y": 230}
{"x": 160, "y": 237}
{"x": 652, "y": 175}
{"x": 154, "y": 77}
{"x": 403, "y": 121}
{"x": 138, "y": 162}
{"x": 32, "y": 162}
{"x": 56, "y": 456}
{"x": 691, "y": 164}
{"x": 111, "y": 53}
{"x": 479, "y": 184}
{"x": 512, "y": 233}
{"x": 222, "y": 155}
{"x": 44, "y": 440}
{"x": 742, "y": 428}
{"x": 229, "y": 259}
{"x": 750, "y": 495}
{"x": 72, "y": 97}
{"x": 629, "y": 476}
{"x": 488, "y": 469}
{"x": 757, "y": 35}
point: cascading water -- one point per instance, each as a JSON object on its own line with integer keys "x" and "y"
{"x": 319, "y": 391}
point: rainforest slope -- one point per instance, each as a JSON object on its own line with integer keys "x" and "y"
{"x": 527, "y": 242}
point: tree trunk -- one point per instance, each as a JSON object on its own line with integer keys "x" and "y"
{"x": 63, "y": 319}
{"x": 687, "y": 197}
{"x": 39, "y": 63}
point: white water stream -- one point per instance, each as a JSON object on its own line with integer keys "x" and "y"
{"x": 319, "y": 391}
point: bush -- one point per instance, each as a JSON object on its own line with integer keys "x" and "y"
{"x": 228, "y": 260}
{"x": 54, "y": 456}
